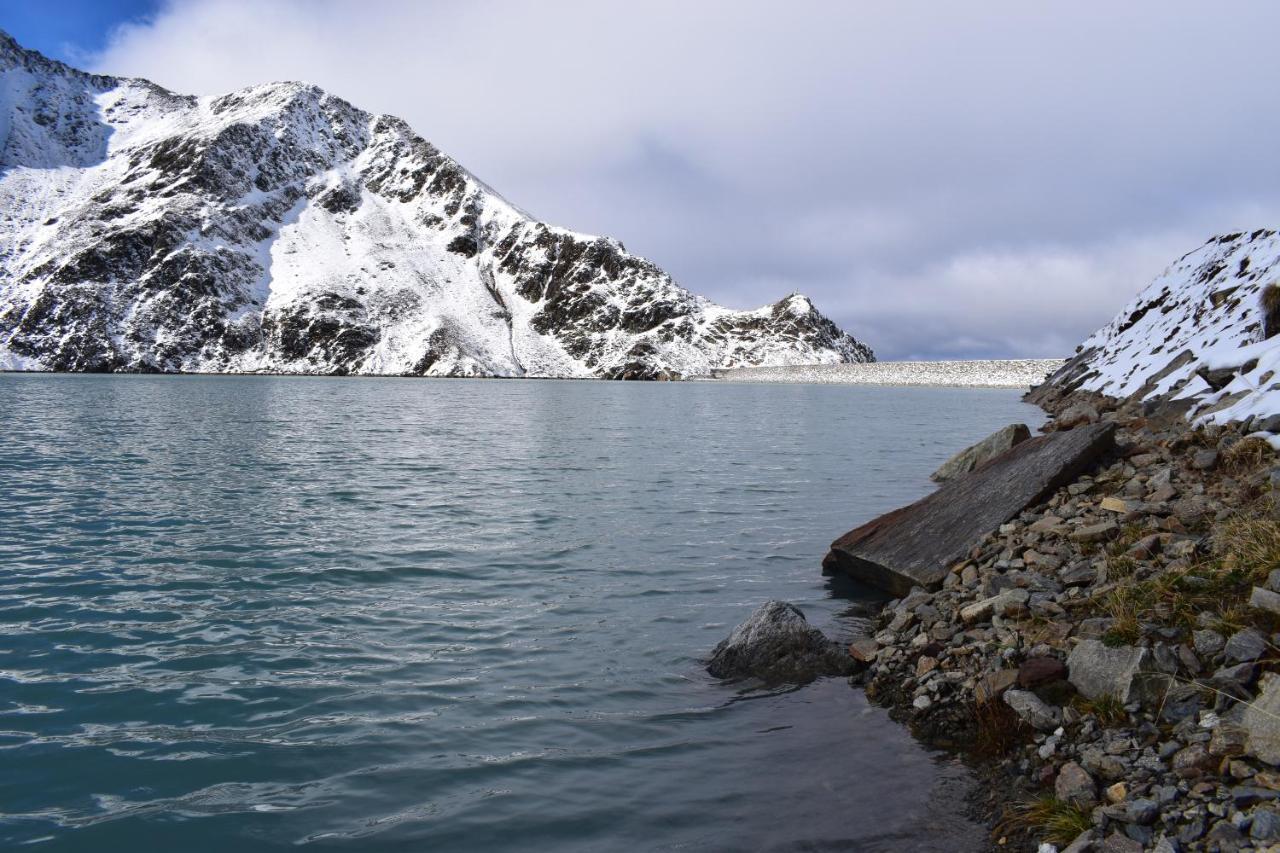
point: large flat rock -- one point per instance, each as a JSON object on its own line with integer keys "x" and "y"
{"x": 917, "y": 544}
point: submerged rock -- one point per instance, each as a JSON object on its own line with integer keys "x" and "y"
{"x": 778, "y": 645}
{"x": 983, "y": 452}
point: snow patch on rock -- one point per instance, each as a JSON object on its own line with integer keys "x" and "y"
{"x": 1195, "y": 336}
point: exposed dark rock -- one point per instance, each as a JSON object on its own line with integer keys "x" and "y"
{"x": 778, "y": 645}
{"x": 917, "y": 544}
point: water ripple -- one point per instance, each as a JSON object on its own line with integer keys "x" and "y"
{"x": 258, "y": 612}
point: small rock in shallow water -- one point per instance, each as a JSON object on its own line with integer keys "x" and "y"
{"x": 864, "y": 650}
{"x": 778, "y": 645}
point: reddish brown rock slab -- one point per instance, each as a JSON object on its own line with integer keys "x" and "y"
{"x": 917, "y": 544}
{"x": 1042, "y": 670}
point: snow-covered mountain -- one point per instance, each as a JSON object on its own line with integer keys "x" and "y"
{"x": 281, "y": 229}
{"x": 1198, "y": 336}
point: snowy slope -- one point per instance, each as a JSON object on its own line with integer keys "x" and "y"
{"x": 1195, "y": 335}
{"x": 280, "y": 229}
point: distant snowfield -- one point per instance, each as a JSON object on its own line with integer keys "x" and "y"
{"x": 1003, "y": 373}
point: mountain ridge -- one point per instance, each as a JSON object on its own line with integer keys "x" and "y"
{"x": 281, "y": 229}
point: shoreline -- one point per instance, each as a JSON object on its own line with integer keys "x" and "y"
{"x": 974, "y": 373}
{"x": 977, "y": 374}
{"x": 993, "y": 666}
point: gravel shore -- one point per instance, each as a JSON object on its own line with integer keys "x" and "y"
{"x": 1110, "y": 655}
{"x": 1005, "y": 373}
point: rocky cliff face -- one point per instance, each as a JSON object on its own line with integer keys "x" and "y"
{"x": 280, "y": 229}
{"x": 1198, "y": 339}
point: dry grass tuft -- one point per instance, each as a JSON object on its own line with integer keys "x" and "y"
{"x": 1108, "y": 709}
{"x": 1125, "y": 607}
{"x": 1246, "y": 549}
{"x": 1048, "y": 819}
{"x": 1249, "y": 547}
{"x": 1248, "y": 455}
{"x": 998, "y": 730}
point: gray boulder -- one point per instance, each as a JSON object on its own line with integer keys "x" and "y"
{"x": 1125, "y": 672}
{"x": 984, "y": 451}
{"x": 1074, "y": 416}
{"x": 1261, "y": 722}
{"x": 1009, "y": 602}
{"x": 778, "y": 645}
{"x": 1246, "y": 645}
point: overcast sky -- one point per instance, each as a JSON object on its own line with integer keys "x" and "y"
{"x": 944, "y": 179}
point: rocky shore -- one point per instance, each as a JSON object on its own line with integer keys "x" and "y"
{"x": 1105, "y": 657}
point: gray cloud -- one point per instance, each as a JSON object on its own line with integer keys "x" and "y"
{"x": 943, "y": 179}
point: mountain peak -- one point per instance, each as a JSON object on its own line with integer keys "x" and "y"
{"x": 14, "y": 55}
{"x": 279, "y": 228}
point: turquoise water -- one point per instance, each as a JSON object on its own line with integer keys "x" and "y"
{"x": 251, "y": 613}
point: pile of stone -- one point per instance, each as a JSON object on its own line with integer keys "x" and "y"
{"x": 1164, "y": 728}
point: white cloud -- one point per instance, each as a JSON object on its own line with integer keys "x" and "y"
{"x": 917, "y": 168}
